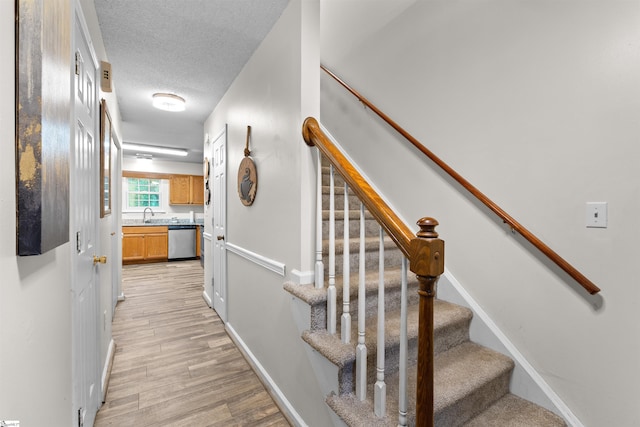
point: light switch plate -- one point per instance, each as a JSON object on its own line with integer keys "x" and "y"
{"x": 596, "y": 215}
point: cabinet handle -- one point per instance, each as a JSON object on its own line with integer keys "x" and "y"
{"x": 220, "y": 237}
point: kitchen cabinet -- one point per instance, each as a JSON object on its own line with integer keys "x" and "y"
{"x": 179, "y": 189}
{"x": 144, "y": 244}
{"x": 197, "y": 190}
{"x": 186, "y": 190}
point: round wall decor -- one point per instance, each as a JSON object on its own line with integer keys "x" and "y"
{"x": 247, "y": 181}
{"x": 247, "y": 175}
{"x": 205, "y": 168}
{"x": 207, "y": 193}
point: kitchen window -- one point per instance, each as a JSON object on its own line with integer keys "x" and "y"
{"x": 142, "y": 193}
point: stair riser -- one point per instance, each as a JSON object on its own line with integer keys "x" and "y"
{"x": 371, "y": 228}
{"x": 337, "y": 178}
{"x": 354, "y": 202}
{"x": 392, "y": 258}
{"x": 391, "y": 302}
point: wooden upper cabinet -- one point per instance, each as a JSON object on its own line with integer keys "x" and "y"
{"x": 197, "y": 190}
{"x": 179, "y": 190}
{"x": 186, "y": 190}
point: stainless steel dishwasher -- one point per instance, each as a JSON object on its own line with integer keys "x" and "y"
{"x": 182, "y": 241}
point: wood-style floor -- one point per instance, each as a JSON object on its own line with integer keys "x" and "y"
{"x": 174, "y": 363}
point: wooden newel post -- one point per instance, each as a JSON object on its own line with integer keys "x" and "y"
{"x": 427, "y": 262}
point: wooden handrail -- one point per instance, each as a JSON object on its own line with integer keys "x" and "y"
{"x": 587, "y": 284}
{"x": 386, "y": 217}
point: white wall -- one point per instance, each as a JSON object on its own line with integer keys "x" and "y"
{"x": 35, "y": 302}
{"x": 267, "y": 96}
{"x": 537, "y": 104}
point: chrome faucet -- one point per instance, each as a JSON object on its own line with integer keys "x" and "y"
{"x": 144, "y": 214}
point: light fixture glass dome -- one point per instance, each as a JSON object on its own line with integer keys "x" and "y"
{"x": 168, "y": 102}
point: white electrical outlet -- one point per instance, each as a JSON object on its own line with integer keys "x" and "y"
{"x": 596, "y": 215}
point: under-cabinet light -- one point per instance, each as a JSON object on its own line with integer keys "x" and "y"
{"x": 154, "y": 149}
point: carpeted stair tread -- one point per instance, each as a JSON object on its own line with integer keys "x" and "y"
{"x": 513, "y": 411}
{"x": 313, "y": 296}
{"x": 317, "y": 298}
{"x": 466, "y": 379}
{"x": 307, "y": 293}
{"x": 450, "y": 328}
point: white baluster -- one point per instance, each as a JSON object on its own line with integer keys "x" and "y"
{"x": 380, "y": 389}
{"x": 331, "y": 291}
{"x": 346, "y": 315}
{"x": 361, "y": 348}
{"x": 319, "y": 273}
{"x": 402, "y": 398}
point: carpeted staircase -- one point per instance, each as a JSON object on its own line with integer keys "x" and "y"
{"x": 471, "y": 382}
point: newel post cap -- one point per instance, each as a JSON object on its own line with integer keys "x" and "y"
{"x": 427, "y": 227}
{"x": 427, "y": 250}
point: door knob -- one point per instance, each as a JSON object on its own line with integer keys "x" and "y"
{"x": 99, "y": 259}
{"x": 220, "y": 237}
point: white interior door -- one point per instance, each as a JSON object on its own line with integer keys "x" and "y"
{"x": 84, "y": 226}
{"x": 219, "y": 202}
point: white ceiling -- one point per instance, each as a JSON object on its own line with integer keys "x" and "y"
{"x": 193, "y": 48}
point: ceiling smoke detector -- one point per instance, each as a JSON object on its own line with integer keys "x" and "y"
{"x": 168, "y": 102}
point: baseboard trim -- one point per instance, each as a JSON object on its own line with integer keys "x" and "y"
{"x": 560, "y": 407}
{"x": 279, "y": 398}
{"x": 207, "y": 299}
{"x": 106, "y": 371}
{"x": 269, "y": 264}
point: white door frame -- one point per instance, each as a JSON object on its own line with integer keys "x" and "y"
{"x": 219, "y": 219}
{"x": 84, "y": 228}
{"x": 116, "y": 224}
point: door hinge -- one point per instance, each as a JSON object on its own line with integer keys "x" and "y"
{"x": 80, "y": 418}
{"x": 78, "y": 242}
{"x": 77, "y": 63}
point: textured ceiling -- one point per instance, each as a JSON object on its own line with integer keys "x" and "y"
{"x": 193, "y": 48}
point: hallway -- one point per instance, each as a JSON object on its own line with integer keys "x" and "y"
{"x": 174, "y": 363}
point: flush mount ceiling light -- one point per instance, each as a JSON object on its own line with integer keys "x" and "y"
{"x": 168, "y": 102}
{"x": 152, "y": 149}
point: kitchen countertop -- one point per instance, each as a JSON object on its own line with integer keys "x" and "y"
{"x": 156, "y": 222}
